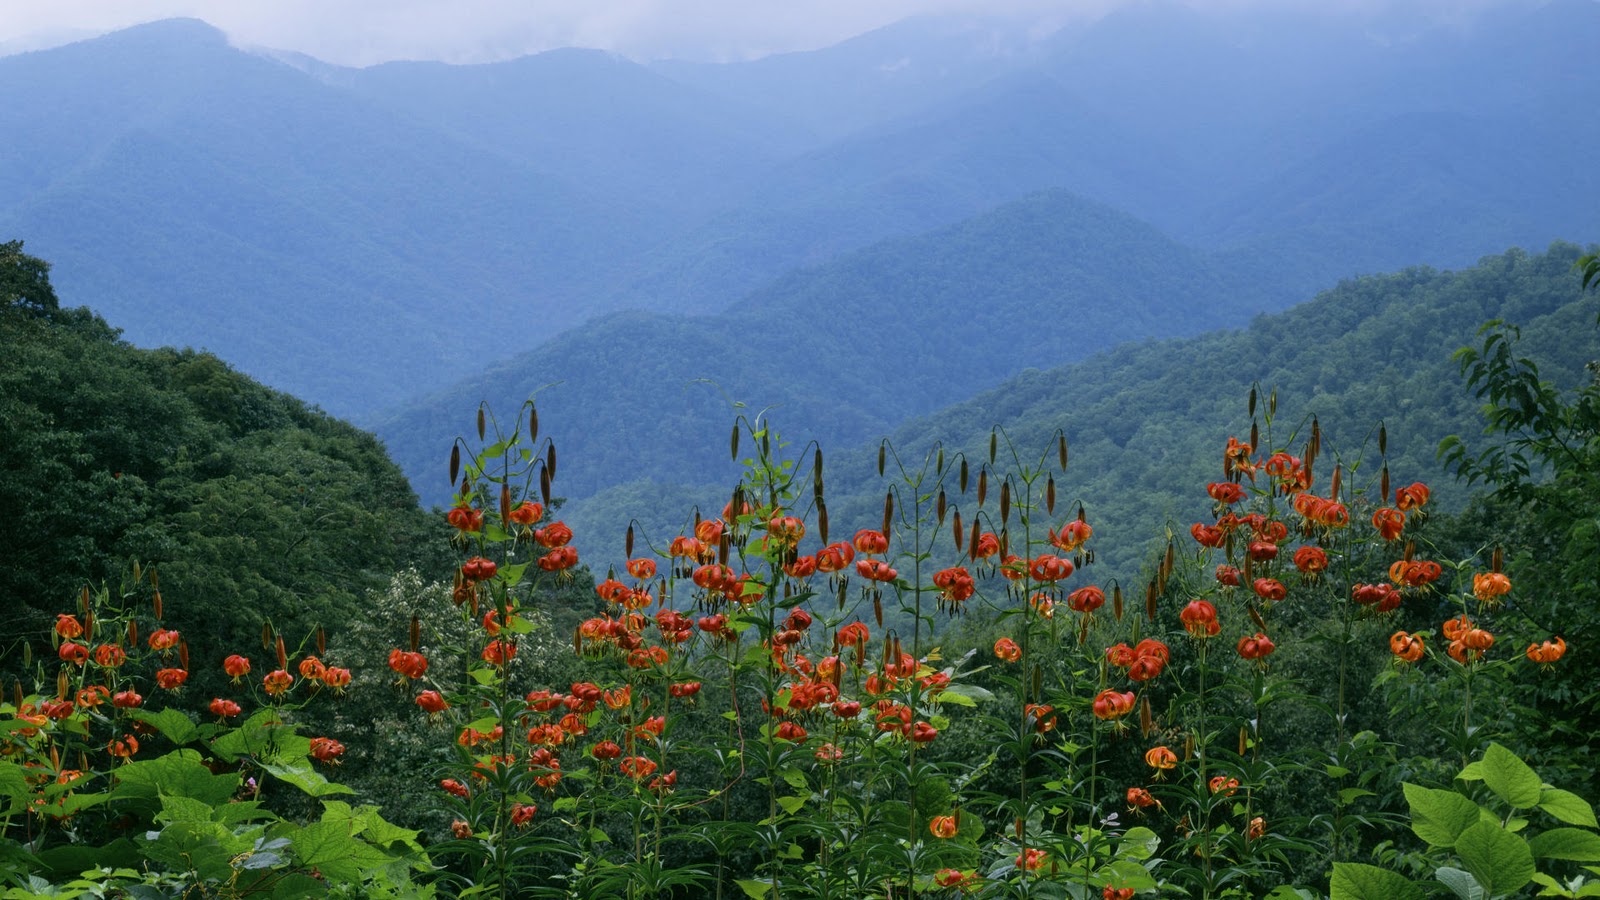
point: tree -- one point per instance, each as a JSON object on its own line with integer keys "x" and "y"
{"x": 25, "y": 281}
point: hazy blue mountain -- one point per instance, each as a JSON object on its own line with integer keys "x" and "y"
{"x": 1338, "y": 145}
{"x": 848, "y": 348}
{"x": 365, "y": 236}
{"x": 594, "y": 119}
{"x": 208, "y": 197}
{"x": 880, "y": 76}
{"x": 1146, "y": 422}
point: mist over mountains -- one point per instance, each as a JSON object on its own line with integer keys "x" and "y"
{"x": 861, "y": 233}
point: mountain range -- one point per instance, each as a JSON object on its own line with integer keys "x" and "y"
{"x": 859, "y": 234}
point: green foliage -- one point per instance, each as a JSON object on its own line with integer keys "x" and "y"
{"x": 254, "y": 507}
{"x": 1493, "y": 840}
{"x": 25, "y": 281}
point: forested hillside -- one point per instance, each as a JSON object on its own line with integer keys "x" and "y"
{"x": 1146, "y": 422}
{"x": 848, "y": 349}
{"x": 253, "y": 507}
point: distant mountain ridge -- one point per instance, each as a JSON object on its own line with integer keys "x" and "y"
{"x": 365, "y": 237}
{"x": 837, "y": 348}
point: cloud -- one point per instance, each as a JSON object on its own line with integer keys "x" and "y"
{"x": 363, "y": 32}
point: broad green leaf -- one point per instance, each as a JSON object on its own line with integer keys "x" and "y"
{"x": 177, "y": 727}
{"x": 1462, "y": 884}
{"x": 1355, "y": 881}
{"x": 1439, "y": 817}
{"x": 74, "y": 858}
{"x": 175, "y": 808}
{"x": 792, "y": 805}
{"x": 753, "y": 889}
{"x": 949, "y": 696}
{"x": 1350, "y": 795}
{"x": 967, "y": 691}
{"x": 13, "y": 789}
{"x": 1498, "y": 859}
{"x": 1566, "y": 843}
{"x": 329, "y": 847}
{"x": 180, "y": 773}
{"x": 1138, "y": 842}
{"x": 1568, "y": 807}
{"x": 301, "y": 775}
{"x": 1125, "y": 873}
{"x": 1511, "y": 778}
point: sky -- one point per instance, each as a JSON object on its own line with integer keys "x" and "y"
{"x": 366, "y": 32}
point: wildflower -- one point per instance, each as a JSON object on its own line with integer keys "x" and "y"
{"x": 1223, "y": 785}
{"x": 1007, "y": 650}
{"x": 1228, "y": 575}
{"x": 638, "y": 767}
{"x": 433, "y": 702}
{"x": 522, "y": 814}
{"x": 1411, "y": 497}
{"x": 868, "y": 540}
{"x": 1311, "y": 560}
{"x": 1162, "y": 759}
{"x": 1258, "y": 828}
{"x": 110, "y": 656}
{"x": 479, "y": 569}
{"x": 326, "y": 749}
{"x": 876, "y": 570}
{"x": 123, "y": 747}
{"x": 1489, "y": 587}
{"x": 1406, "y": 647}
{"x": 1111, "y": 893}
{"x": 92, "y": 696}
{"x": 955, "y": 584}
{"x": 954, "y": 878}
{"x": 277, "y": 682}
{"x": 1072, "y": 535}
{"x": 1269, "y": 589}
{"x": 454, "y": 788}
{"x": 1200, "y": 619}
{"x": 559, "y": 559}
{"x": 336, "y": 678}
{"x": 1207, "y": 535}
{"x": 460, "y": 830}
{"x": 553, "y": 536}
{"x": 1389, "y": 522}
{"x": 129, "y": 699}
{"x": 1381, "y": 596}
{"x": 171, "y": 679}
{"x": 224, "y": 708}
{"x": 526, "y": 513}
{"x": 68, "y": 626}
{"x": 236, "y": 666}
{"x": 499, "y": 652}
{"x": 1048, "y": 568}
{"x": 465, "y": 519}
{"x": 1256, "y": 647}
{"x": 1139, "y": 798}
{"x": 642, "y": 569}
{"x": 1110, "y": 705}
{"x": 312, "y": 668}
{"x": 943, "y": 827}
{"x": 77, "y": 654}
{"x": 1032, "y": 859}
{"x": 1086, "y": 599}
{"x": 410, "y": 664}
{"x": 789, "y": 731}
{"x": 1547, "y": 653}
